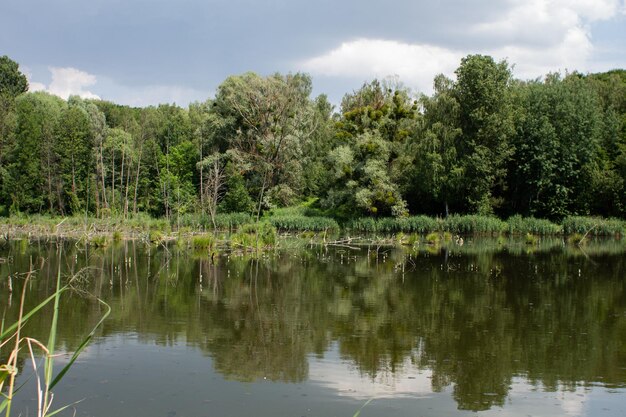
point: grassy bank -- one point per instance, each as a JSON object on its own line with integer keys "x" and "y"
{"x": 299, "y": 220}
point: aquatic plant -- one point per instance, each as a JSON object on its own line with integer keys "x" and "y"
{"x": 99, "y": 241}
{"x": 204, "y": 241}
{"x": 155, "y": 237}
{"x": 531, "y": 239}
{"x": 433, "y": 238}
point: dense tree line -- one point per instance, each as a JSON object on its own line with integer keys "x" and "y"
{"x": 481, "y": 143}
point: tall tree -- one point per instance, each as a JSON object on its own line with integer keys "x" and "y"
{"x": 12, "y": 81}
{"x": 486, "y": 121}
{"x": 32, "y": 168}
{"x": 556, "y": 148}
{"x": 371, "y": 136}
{"x": 12, "y": 84}
{"x": 437, "y": 174}
{"x": 267, "y": 120}
{"x": 74, "y": 149}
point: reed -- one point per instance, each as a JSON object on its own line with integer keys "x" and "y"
{"x": 594, "y": 226}
{"x": 518, "y": 225}
{"x": 474, "y": 225}
{"x": 30, "y": 347}
{"x": 298, "y": 223}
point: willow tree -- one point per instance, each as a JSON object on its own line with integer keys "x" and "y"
{"x": 265, "y": 121}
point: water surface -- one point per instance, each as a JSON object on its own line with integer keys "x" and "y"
{"x": 499, "y": 328}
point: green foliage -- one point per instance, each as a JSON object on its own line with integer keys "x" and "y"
{"x": 155, "y": 237}
{"x": 556, "y": 148}
{"x": 73, "y": 149}
{"x": 237, "y": 199}
{"x": 32, "y": 172}
{"x": 375, "y": 126}
{"x": 436, "y": 175}
{"x": 487, "y": 125}
{"x": 413, "y": 224}
{"x": 12, "y": 81}
{"x": 483, "y": 144}
{"x": 268, "y": 234}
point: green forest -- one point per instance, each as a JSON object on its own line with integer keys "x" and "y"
{"x": 482, "y": 143}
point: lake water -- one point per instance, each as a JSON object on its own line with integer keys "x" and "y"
{"x": 499, "y": 328}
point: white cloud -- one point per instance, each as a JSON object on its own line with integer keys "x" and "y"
{"x": 537, "y": 36}
{"x": 367, "y": 58}
{"x": 32, "y": 85}
{"x": 334, "y": 373}
{"x": 66, "y": 82}
{"x": 70, "y": 81}
{"x": 35, "y": 86}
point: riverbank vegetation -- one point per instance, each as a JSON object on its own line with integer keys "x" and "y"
{"x": 101, "y": 232}
{"x": 484, "y": 153}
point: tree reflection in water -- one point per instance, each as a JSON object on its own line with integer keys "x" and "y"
{"x": 476, "y": 317}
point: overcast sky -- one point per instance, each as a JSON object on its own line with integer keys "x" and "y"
{"x": 144, "y": 52}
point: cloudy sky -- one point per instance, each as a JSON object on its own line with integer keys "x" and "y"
{"x": 143, "y": 52}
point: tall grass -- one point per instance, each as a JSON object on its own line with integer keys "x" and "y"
{"x": 474, "y": 224}
{"x": 223, "y": 221}
{"x": 594, "y": 226}
{"x": 469, "y": 224}
{"x": 254, "y": 237}
{"x": 518, "y": 225}
{"x": 298, "y": 223}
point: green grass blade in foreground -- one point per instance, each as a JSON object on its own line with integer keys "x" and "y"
{"x": 63, "y": 408}
{"x": 82, "y": 346}
{"x": 362, "y": 407}
{"x": 14, "y": 326}
{"x": 53, "y": 330}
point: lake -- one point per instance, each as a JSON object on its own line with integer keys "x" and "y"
{"x": 495, "y": 327}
